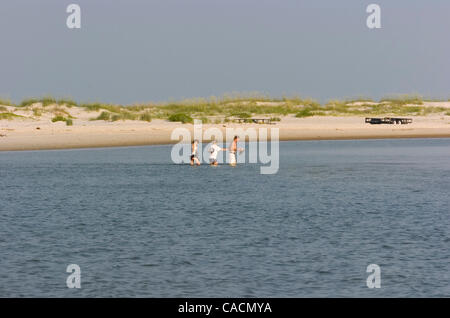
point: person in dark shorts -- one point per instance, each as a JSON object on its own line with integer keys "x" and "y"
{"x": 194, "y": 153}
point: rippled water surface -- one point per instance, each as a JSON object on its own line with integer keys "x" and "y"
{"x": 139, "y": 225}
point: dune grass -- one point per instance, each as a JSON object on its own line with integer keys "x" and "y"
{"x": 9, "y": 116}
{"x": 145, "y": 117}
{"x": 6, "y": 102}
{"x": 99, "y": 106}
{"x": 205, "y": 120}
{"x": 246, "y": 106}
{"x": 67, "y": 102}
{"x": 232, "y": 106}
{"x": 181, "y": 117}
{"x": 103, "y": 116}
{"x": 304, "y": 113}
{"x": 28, "y": 102}
{"x": 47, "y": 101}
{"x": 124, "y": 115}
{"x": 68, "y": 121}
{"x": 403, "y": 99}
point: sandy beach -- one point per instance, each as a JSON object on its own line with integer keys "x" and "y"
{"x": 41, "y": 133}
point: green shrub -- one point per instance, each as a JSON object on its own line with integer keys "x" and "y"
{"x": 92, "y": 106}
{"x": 58, "y": 118}
{"x": 66, "y": 101}
{"x": 304, "y": 113}
{"x": 48, "y": 100}
{"x": 125, "y": 115}
{"x": 145, "y": 117}
{"x": 242, "y": 115}
{"x": 3, "y": 109}
{"x": 28, "y": 102}
{"x": 181, "y": 117}
{"x": 99, "y": 106}
{"x": 68, "y": 121}
{"x": 9, "y": 116}
{"x": 275, "y": 119}
{"x": 6, "y": 102}
{"x": 45, "y": 101}
{"x": 104, "y": 116}
{"x": 412, "y": 109}
{"x": 403, "y": 99}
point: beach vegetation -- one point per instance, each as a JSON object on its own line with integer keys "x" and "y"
{"x": 115, "y": 117}
{"x": 145, "y": 117}
{"x": 6, "y": 102}
{"x": 241, "y": 115}
{"x": 403, "y": 99}
{"x": 229, "y": 107}
{"x": 104, "y": 116}
{"x": 68, "y": 121}
{"x": 28, "y": 102}
{"x": 99, "y": 106}
{"x": 58, "y": 118}
{"x": 304, "y": 113}
{"x": 47, "y": 101}
{"x": 360, "y": 99}
{"x": 204, "y": 120}
{"x": 37, "y": 112}
{"x": 181, "y": 117}
{"x": 58, "y": 111}
{"x": 67, "y": 102}
{"x": 124, "y": 115}
{"x": 9, "y": 116}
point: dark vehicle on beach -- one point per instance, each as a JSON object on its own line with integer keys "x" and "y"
{"x": 389, "y": 121}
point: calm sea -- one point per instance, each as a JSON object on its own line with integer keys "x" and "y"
{"x": 139, "y": 225}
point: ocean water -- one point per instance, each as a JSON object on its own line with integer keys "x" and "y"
{"x": 140, "y": 226}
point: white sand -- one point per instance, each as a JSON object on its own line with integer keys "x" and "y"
{"x": 41, "y": 133}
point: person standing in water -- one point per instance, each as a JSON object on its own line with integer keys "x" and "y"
{"x": 233, "y": 151}
{"x": 194, "y": 153}
{"x": 214, "y": 150}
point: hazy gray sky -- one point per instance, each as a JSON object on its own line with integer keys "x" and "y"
{"x": 134, "y": 51}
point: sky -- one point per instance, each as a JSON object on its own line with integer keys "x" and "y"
{"x": 133, "y": 51}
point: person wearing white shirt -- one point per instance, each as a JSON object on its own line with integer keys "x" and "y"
{"x": 214, "y": 150}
